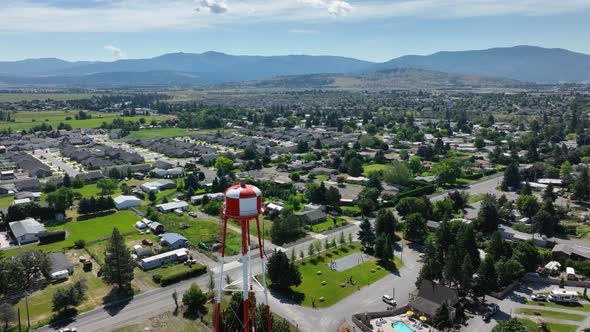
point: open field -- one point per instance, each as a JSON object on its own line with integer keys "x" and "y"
{"x": 158, "y": 133}
{"x": 86, "y": 230}
{"x": 550, "y": 314}
{"x": 335, "y": 289}
{"x": 16, "y": 97}
{"x": 26, "y": 120}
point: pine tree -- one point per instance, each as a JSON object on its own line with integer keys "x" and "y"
{"x": 466, "y": 274}
{"x": 511, "y": 177}
{"x": 366, "y": 234}
{"x": 118, "y": 267}
{"x": 441, "y": 319}
{"x": 385, "y": 223}
{"x": 582, "y": 186}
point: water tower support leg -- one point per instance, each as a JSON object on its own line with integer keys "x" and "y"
{"x": 220, "y": 282}
{"x": 263, "y": 263}
{"x": 245, "y": 276}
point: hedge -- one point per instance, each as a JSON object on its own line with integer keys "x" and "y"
{"x": 50, "y": 237}
{"x": 418, "y": 192}
{"x": 474, "y": 176}
{"x": 195, "y": 270}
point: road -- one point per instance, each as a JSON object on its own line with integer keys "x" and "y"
{"x": 487, "y": 186}
{"x": 56, "y": 162}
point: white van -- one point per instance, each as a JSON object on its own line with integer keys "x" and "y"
{"x": 563, "y": 296}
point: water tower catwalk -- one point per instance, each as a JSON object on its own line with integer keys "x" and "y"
{"x": 243, "y": 203}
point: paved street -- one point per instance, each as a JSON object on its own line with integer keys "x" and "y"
{"x": 55, "y": 162}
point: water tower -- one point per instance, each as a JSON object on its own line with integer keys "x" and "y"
{"x": 243, "y": 203}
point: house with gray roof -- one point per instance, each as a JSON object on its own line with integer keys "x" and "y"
{"x": 26, "y": 230}
{"x": 173, "y": 241}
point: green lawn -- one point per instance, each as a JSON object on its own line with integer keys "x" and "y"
{"x": 97, "y": 248}
{"x": 580, "y": 307}
{"x": 553, "y": 327}
{"x": 29, "y": 119}
{"x": 87, "y": 230}
{"x": 550, "y": 314}
{"x": 328, "y": 224}
{"x": 158, "y": 133}
{"x": 6, "y": 201}
{"x": 265, "y": 227}
{"x": 372, "y": 168}
{"x": 311, "y": 287}
{"x": 200, "y": 230}
{"x": 475, "y": 198}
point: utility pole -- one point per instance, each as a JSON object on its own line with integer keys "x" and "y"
{"x": 18, "y": 312}
{"x": 27, "y": 304}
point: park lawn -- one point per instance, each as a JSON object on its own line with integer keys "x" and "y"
{"x": 87, "y": 230}
{"x": 553, "y": 327}
{"x": 29, "y": 119}
{"x": 367, "y": 169}
{"x": 200, "y": 230}
{"x": 40, "y": 303}
{"x": 329, "y": 224}
{"x": 579, "y": 306}
{"x": 91, "y": 190}
{"x": 311, "y": 287}
{"x": 6, "y": 201}
{"x": 144, "y": 134}
{"x": 550, "y": 314}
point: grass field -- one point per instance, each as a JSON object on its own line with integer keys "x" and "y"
{"x": 550, "y": 314}
{"x": 6, "y": 201}
{"x": 158, "y": 133}
{"x": 16, "y": 97}
{"x": 580, "y": 307}
{"x": 311, "y": 288}
{"x": 200, "y": 230}
{"x": 86, "y": 230}
{"x": 475, "y": 198}
{"x": 553, "y": 327}
{"x": 328, "y": 224}
{"x": 29, "y": 119}
{"x": 97, "y": 248}
{"x": 265, "y": 227}
{"x": 372, "y": 168}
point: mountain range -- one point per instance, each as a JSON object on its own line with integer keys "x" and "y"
{"x": 519, "y": 63}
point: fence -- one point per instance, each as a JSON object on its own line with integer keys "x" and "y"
{"x": 363, "y": 321}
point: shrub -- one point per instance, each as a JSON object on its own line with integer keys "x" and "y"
{"x": 157, "y": 278}
{"x": 80, "y": 244}
{"x": 195, "y": 270}
{"x": 50, "y": 237}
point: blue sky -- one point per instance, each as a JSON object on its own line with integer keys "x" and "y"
{"x": 375, "y": 30}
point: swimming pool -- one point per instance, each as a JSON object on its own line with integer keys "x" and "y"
{"x": 402, "y": 327}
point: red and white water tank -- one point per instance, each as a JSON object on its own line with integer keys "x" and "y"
{"x": 243, "y": 201}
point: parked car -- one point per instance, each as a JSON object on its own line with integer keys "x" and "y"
{"x": 69, "y": 329}
{"x": 192, "y": 214}
{"x": 389, "y": 300}
{"x": 422, "y": 255}
{"x": 190, "y": 262}
{"x": 147, "y": 242}
{"x": 537, "y": 297}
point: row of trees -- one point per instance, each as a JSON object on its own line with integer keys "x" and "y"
{"x": 93, "y": 205}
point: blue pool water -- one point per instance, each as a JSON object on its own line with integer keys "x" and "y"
{"x": 401, "y": 327}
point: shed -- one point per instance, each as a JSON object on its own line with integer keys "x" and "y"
{"x": 169, "y": 207}
{"x": 126, "y": 201}
{"x": 26, "y": 230}
{"x": 174, "y": 241}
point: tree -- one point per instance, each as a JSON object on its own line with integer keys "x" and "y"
{"x": 452, "y": 267}
{"x": 281, "y": 272}
{"x": 195, "y": 301}
{"x": 397, "y": 173}
{"x": 223, "y": 166}
{"x": 355, "y": 167}
{"x": 582, "y": 186}
{"x": 496, "y": 246}
{"x": 487, "y": 279}
{"x": 175, "y": 298}
{"x": 487, "y": 217}
{"x": 441, "y": 319}
{"x": 467, "y": 271}
{"x": 385, "y": 223}
{"x": 61, "y": 199}
{"x": 107, "y": 186}
{"x": 549, "y": 193}
{"x": 509, "y": 325}
{"x": 333, "y": 197}
{"x": 118, "y": 267}
{"x": 511, "y": 177}
{"x": 211, "y": 282}
{"x": 152, "y": 197}
{"x": 29, "y": 264}
{"x": 7, "y": 314}
{"x": 544, "y": 223}
{"x": 447, "y": 171}
{"x": 459, "y": 198}
{"x": 69, "y": 296}
{"x": 415, "y": 227}
{"x": 67, "y": 181}
{"x": 528, "y": 205}
{"x": 311, "y": 249}
{"x": 409, "y": 205}
{"x": 366, "y": 234}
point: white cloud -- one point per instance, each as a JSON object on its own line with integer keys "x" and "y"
{"x": 334, "y": 7}
{"x": 214, "y": 6}
{"x": 117, "y": 52}
{"x": 174, "y": 15}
